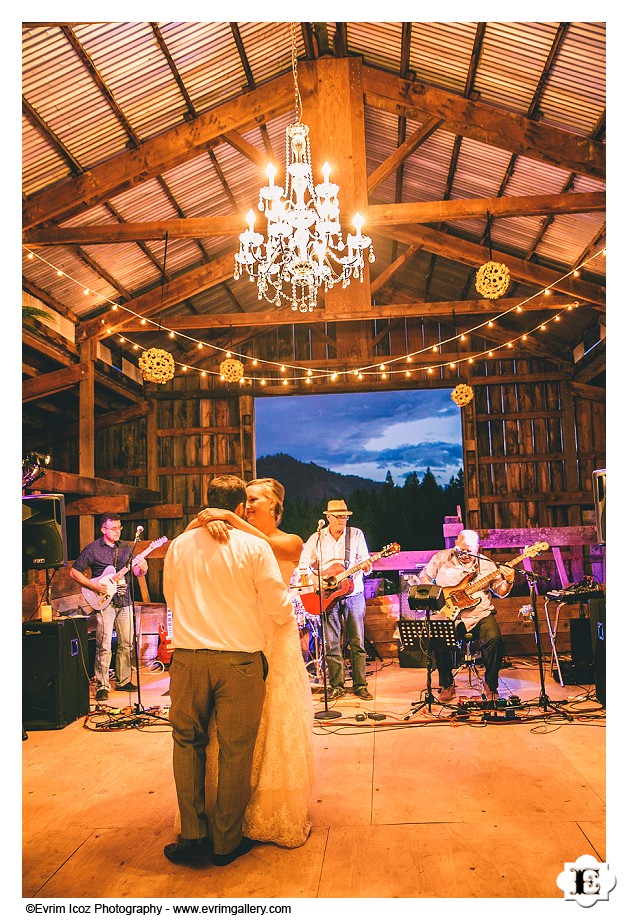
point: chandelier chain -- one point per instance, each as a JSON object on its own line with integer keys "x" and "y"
{"x": 295, "y": 75}
{"x": 304, "y": 250}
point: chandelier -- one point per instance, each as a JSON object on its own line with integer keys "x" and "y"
{"x": 304, "y": 249}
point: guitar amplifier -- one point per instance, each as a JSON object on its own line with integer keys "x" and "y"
{"x": 55, "y": 683}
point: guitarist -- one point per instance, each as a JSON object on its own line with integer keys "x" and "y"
{"x": 108, "y": 550}
{"x": 342, "y": 547}
{"x": 447, "y": 568}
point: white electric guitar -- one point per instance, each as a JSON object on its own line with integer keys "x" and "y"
{"x": 109, "y": 579}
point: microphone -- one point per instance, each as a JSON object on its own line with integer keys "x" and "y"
{"x": 139, "y": 530}
{"x": 321, "y": 524}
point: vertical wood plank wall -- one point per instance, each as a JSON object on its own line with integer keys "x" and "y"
{"x": 530, "y": 446}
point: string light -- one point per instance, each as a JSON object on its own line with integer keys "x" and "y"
{"x": 320, "y": 373}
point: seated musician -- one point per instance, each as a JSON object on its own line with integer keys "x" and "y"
{"x": 342, "y": 547}
{"x": 447, "y": 568}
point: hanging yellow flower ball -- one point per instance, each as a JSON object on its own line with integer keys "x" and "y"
{"x": 462, "y": 394}
{"x": 157, "y": 365}
{"x": 231, "y": 370}
{"x": 492, "y": 280}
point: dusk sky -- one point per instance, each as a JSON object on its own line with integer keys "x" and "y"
{"x": 365, "y": 434}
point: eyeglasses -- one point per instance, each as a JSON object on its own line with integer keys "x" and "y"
{"x": 339, "y": 517}
{"x": 459, "y": 552}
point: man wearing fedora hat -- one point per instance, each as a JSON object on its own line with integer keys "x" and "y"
{"x": 342, "y": 547}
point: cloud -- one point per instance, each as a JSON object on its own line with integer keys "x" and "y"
{"x": 365, "y": 434}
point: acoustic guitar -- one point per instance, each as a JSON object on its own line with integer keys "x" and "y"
{"x": 109, "y": 579}
{"x": 337, "y": 581}
{"x": 460, "y": 596}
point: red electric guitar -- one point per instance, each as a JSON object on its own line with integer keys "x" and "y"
{"x": 337, "y": 581}
{"x": 164, "y": 649}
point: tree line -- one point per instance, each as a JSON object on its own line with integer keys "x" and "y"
{"x": 411, "y": 515}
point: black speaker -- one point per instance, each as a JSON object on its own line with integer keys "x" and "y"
{"x": 599, "y": 498}
{"x": 55, "y": 685}
{"x": 411, "y": 658}
{"x": 44, "y": 538}
{"x": 597, "y": 616}
{"x": 425, "y": 597}
{"x": 580, "y": 636}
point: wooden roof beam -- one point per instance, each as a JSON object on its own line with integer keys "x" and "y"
{"x": 467, "y": 253}
{"x": 54, "y": 382}
{"x": 159, "y": 154}
{"x": 486, "y": 123}
{"x": 421, "y": 212}
{"x": 173, "y": 292}
{"x": 75, "y": 484}
{"x": 287, "y": 317}
{"x": 401, "y": 154}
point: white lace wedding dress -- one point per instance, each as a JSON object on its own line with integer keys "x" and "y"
{"x": 282, "y": 773}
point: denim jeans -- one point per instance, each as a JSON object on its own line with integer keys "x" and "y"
{"x": 350, "y": 611}
{"x": 122, "y": 619}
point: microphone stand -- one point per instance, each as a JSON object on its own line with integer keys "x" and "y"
{"x": 325, "y": 713}
{"x": 544, "y": 701}
{"x": 138, "y": 708}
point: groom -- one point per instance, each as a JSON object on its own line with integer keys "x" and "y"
{"x": 217, "y": 593}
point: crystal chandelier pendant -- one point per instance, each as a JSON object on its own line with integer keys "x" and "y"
{"x": 304, "y": 250}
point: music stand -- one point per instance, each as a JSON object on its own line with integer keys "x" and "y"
{"x": 420, "y": 633}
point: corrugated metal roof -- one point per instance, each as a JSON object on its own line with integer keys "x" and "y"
{"x": 90, "y": 124}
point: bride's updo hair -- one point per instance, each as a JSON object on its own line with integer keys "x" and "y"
{"x": 274, "y": 491}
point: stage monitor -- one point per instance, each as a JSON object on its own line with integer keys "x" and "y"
{"x": 425, "y": 597}
{"x": 44, "y": 538}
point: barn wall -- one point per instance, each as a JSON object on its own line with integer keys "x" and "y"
{"x": 530, "y": 445}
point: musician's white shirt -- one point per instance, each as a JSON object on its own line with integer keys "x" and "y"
{"x": 333, "y": 551}
{"x": 446, "y": 570}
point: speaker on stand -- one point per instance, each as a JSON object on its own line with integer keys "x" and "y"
{"x": 44, "y": 539}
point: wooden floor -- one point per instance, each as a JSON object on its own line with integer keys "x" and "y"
{"x": 417, "y": 805}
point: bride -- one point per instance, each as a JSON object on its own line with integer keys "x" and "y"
{"x": 282, "y": 773}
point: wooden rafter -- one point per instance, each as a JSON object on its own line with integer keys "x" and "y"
{"x": 422, "y": 212}
{"x": 485, "y": 123}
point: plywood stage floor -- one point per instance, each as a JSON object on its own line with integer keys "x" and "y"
{"x": 420, "y": 804}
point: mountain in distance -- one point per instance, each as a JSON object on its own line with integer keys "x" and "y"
{"x": 310, "y": 482}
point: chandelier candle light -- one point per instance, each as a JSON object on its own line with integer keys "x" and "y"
{"x": 304, "y": 249}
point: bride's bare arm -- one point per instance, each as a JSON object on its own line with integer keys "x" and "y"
{"x": 284, "y": 545}
{"x": 216, "y": 521}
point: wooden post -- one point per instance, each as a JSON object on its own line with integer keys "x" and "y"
{"x": 87, "y": 430}
{"x": 333, "y": 109}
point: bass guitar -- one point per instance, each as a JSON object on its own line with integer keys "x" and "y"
{"x": 460, "y": 597}
{"x": 337, "y": 581}
{"x": 109, "y": 579}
